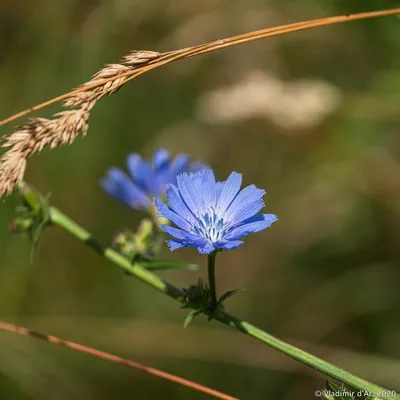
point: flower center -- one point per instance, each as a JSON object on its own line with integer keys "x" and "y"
{"x": 210, "y": 226}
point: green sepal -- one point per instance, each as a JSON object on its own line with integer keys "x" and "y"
{"x": 21, "y": 225}
{"x": 229, "y": 293}
{"x": 190, "y": 317}
{"x": 34, "y": 215}
{"x": 143, "y": 245}
{"x": 135, "y": 246}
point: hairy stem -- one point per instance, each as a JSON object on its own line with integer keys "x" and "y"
{"x": 33, "y": 199}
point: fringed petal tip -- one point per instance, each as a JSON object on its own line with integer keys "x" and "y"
{"x": 174, "y": 244}
{"x": 270, "y": 218}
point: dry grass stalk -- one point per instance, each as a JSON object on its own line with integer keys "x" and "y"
{"x": 65, "y": 126}
{"x": 38, "y": 133}
{"x": 5, "y": 326}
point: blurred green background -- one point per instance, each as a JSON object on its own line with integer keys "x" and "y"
{"x": 313, "y": 117}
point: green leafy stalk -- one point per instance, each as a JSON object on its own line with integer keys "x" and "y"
{"x": 56, "y": 217}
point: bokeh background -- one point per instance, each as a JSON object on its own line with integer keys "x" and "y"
{"x": 313, "y": 117}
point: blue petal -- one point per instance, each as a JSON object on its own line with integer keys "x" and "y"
{"x": 228, "y": 244}
{"x": 206, "y": 248}
{"x": 194, "y": 238}
{"x": 190, "y": 191}
{"x": 175, "y": 244}
{"x": 143, "y": 174}
{"x": 161, "y": 160}
{"x": 247, "y": 203}
{"x": 178, "y": 166}
{"x": 174, "y": 232}
{"x": 196, "y": 179}
{"x": 166, "y": 212}
{"x": 177, "y": 204}
{"x": 208, "y": 190}
{"x": 252, "y": 225}
{"x": 118, "y": 185}
{"x": 230, "y": 190}
{"x": 218, "y": 189}
{"x": 132, "y": 162}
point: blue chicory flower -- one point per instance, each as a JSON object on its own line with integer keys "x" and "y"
{"x": 146, "y": 181}
{"x": 212, "y": 215}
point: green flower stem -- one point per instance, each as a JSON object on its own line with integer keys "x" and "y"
{"x": 304, "y": 357}
{"x": 34, "y": 200}
{"x": 211, "y": 279}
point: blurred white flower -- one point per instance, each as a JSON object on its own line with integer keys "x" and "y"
{"x": 297, "y": 105}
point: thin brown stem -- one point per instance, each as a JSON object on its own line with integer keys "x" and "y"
{"x": 5, "y": 326}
